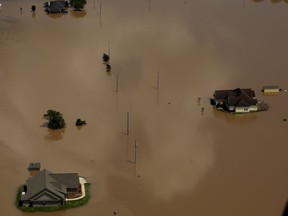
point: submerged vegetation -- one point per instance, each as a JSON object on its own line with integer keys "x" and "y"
{"x": 106, "y": 59}
{"x": 80, "y": 122}
{"x": 78, "y": 4}
{"x": 55, "y": 119}
{"x": 108, "y": 67}
{"x": 67, "y": 205}
{"x": 33, "y": 8}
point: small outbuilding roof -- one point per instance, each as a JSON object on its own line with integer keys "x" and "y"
{"x": 271, "y": 87}
{"x": 34, "y": 166}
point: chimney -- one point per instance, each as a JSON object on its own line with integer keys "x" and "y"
{"x": 34, "y": 168}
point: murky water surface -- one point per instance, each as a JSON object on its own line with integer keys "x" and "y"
{"x": 188, "y": 163}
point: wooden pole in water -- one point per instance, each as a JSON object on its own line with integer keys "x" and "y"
{"x": 135, "y": 152}
{"x": 128, "y": 124}
{"x": 117, "y": 83}
{"x": 109, "y": 48}
{"x": 149, "y": 4}
{"x": 116, "y": 89}
{"x": 158, "y": 86}
{"x": 100, "y": 13}
{"x": 94, "y": 4}
{"x": 244, "y": 4}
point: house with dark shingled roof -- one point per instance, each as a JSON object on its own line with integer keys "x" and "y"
{"x": 237, "y": 100}
{"x": 56, "y": 6}
{"x": 47, "y": 188}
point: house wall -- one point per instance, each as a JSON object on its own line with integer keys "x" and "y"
{"x": 72, "y": 190}
{"x": 41, "y": 203}
{"x": 246, "y": 109}
{"x": 242, "y": 109}
{"x": 271, "y": 90}
{"x": 254, "y": 108}
{"x": 33, "y": 172}
{"x": 231, "y": 109}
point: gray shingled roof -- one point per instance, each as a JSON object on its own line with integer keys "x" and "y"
{"x": 70, "y": 180}
{"x": 55, "y": 6}
{"x": 46, "y": 184}
{"x": 237, "y": 97}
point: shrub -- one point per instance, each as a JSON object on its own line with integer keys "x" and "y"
{"x": 33, "y": 8}
{"x": 56, "y": 120}
{"x": 106, "y": 57}
{"x": 80, "y": 122}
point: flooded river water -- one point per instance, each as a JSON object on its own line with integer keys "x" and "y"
{"x": 165, "y": 55}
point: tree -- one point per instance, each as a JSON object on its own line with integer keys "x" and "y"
{"x": 55, "y": 119}
{"x": 108, "y": 67}
{"x": 105, "y": 57}
{"x": 33, "y": 8}
{"x": 78, "y": 4}
{"x": 80, "y": 122}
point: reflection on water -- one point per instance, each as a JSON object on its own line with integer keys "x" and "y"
{"x": 55, "y": 135}
{"x": 77, "y": 13}
{"x": 55, "y": 15}
{"x": 234, "y": 118}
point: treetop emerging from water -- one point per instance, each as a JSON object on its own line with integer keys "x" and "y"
{"x": 55, "y": 119}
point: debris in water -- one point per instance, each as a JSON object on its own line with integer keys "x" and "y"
{"x": 202, "y": 109}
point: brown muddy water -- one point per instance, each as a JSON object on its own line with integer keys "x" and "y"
{"x": 188, "y": 163}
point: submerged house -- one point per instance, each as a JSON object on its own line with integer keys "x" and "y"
{"x": 47, "y": 189}
{"x": 56, "y": 6}
{"x": 237, "y": 100}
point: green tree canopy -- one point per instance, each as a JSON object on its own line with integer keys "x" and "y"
{"x": 80, "y": 122}
{"x": 78, "y": 4}
{"x": 33, "y": 8}
{"x": 55, "y": 119}
{"x": 106, "y": 57}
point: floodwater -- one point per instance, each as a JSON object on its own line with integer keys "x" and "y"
{"x": 187, "y": 162}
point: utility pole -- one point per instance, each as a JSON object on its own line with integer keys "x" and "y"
{"x": 128, "y": 124}
{"x": 100, "y": 13}
{"x": 117, "y": 81}
{"x": 135, "y": 152}
{"x": 158, "y": 86}
{"x": 116, "y": 90}
{"x": 109, "y": 48}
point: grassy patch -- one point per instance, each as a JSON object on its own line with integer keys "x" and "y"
{"x": 67, "y": 205}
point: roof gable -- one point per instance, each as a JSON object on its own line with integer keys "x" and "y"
{"x": 47, "y": 195}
